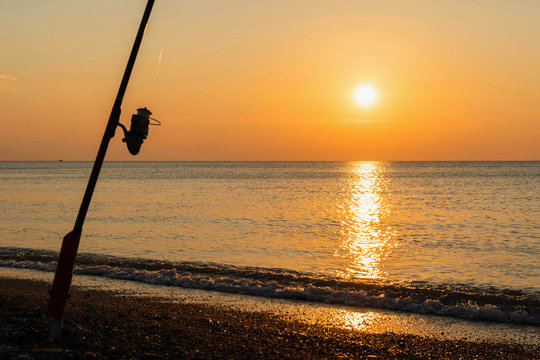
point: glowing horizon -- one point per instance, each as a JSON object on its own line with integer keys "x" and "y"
{"x": 273, "y": 80}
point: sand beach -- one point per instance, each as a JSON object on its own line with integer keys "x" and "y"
{"x": 103, "y": 324}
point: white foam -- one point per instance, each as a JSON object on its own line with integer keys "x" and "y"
{"x": 273, "y": 289}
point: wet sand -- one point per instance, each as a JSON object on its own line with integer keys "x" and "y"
{"x": 102, "y": 324}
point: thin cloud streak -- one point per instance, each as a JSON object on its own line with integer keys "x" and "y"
{"x": 367, "y": 121}
{"x": 159, "y": 61}
{"x": 7, "y": 77}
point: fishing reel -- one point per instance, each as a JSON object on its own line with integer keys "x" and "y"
{"x": 138, "y": 131}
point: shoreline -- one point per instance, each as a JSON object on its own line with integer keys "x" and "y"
{"x": 101, "y": 323}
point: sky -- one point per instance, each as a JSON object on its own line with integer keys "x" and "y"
{"x": 274, "y": 80}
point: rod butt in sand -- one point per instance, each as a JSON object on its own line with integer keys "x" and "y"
{"x": 54, "y": 328}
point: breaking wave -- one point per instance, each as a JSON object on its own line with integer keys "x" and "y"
{"x": 483, "y": 304}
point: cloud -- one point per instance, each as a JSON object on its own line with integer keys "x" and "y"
{"x": 367, "y": 120}
{"x": 7, "y": 77}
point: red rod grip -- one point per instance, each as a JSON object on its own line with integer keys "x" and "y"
{"x": 63, "y": 275}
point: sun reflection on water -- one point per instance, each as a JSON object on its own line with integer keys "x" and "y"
{"x": 366, "y": 239}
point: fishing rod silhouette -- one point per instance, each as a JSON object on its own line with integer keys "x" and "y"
{"x": 134, "y": 139}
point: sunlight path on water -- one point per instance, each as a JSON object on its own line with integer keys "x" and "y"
{"x": 366, "y": 239}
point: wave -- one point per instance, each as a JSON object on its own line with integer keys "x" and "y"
{"x": 482, "y": 304}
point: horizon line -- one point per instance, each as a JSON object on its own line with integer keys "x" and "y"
{"x": 61, "y": 160}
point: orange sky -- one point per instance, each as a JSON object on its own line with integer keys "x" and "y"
{"x": 273, "y": 80}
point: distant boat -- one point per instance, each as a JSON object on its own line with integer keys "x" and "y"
{"x": 60, "y": 160}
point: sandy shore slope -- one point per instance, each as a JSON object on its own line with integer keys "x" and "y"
{"x": 104, "y": 325}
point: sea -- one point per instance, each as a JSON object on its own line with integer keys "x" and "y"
{"x": 449, "y": 240}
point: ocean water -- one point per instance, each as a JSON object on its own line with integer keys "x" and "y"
{"x": 457, "y": 239}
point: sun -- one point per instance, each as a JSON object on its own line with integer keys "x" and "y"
{"x": 365, "y": 95}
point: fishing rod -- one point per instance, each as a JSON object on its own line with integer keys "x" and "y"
{"x": 134, "y": 139}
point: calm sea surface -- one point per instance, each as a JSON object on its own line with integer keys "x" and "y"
{"x": 346, "y": 232}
